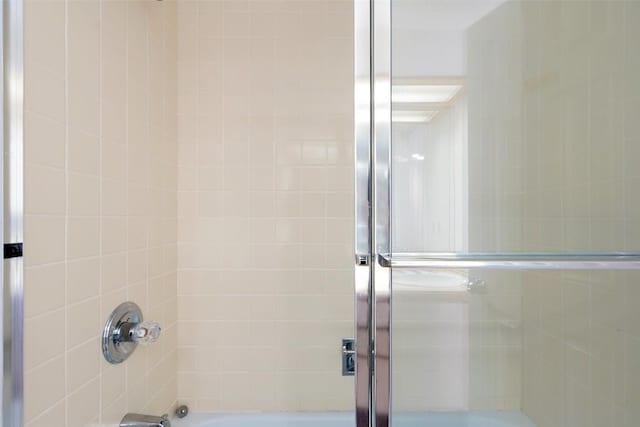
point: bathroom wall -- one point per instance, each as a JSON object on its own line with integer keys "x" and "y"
{"x": 562, "y": 105}
{"x": 265, "y": 195}
{"x": 100, "y": 205}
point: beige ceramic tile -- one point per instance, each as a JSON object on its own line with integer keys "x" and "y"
{"x": 83, "y": 364}
{"x": 46, "y": 289}
{"x": 42, "y": 342}
{"x": 83, "y": 405}
{"x": 43, "y": 387}
{"x": 78, "y": 201}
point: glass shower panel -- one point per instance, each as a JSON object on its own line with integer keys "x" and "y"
{"x": 514, "y": 131}
{"x": 489, "y": 348}
{"x": 457, "y": 348}
{"x": 515, "y": 126}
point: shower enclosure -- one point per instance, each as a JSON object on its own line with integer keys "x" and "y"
{"x": 195, "y": 157}
{"x": 497, "y": 212}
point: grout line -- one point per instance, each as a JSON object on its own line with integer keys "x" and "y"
{"x": 63, "y": 354}
{"x": 44, "y": 411}
{"x": 147, "y": 186}
{"x": 100, "y": 191}
{"x": 126, "y": 173}
{"x": 66, "y": 214}
{"x": 46, "y": 313}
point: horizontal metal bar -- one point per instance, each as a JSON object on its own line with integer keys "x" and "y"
{"x": 514, "y": 261}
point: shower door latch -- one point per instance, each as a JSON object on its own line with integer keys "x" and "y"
{"x": 348, "y": 357}
{"x": 362, "y": 259}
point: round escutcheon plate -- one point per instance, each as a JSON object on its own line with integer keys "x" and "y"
{"x": 114, "y": 349}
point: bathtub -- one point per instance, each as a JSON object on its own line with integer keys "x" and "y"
{"x": 340, "y": 419}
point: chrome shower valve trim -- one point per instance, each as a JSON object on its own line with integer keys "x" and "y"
{"x": 124, "y": 330}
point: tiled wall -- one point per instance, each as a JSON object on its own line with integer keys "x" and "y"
{"x": 264, "y": 204}
{"x": 581, "y": 334}
{"x": 100, "y": 205}
{"x": 559, "y": 131}
{"x": 495, "y": 198}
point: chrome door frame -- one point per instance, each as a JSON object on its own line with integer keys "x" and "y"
{"x": 12, "y": 212}
{"x": 372, "y": 96}
{"x": 362, "y": 243}
{"x": 373, "y": 148}
{"x": 381, "y": 230}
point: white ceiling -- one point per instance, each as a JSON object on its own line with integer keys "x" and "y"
{"x": 450, "y": 15}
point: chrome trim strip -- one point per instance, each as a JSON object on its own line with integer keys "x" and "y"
{"x": 514, "y": 261}
{"x": 5, "y": 395}
{"x": 381, "y": 233}
{"x": 12, "y": 315}
{"x": 362, "y": 244}
{"x": 363, "y": 347}
{"x": 12, "y": 381}
{"x": 362, "y": 125}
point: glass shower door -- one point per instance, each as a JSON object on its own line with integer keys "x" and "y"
{"x": 506, "y": 228}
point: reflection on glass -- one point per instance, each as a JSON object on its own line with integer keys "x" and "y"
{"x": 515, "y": 130}
{"x": 515, "y": 348}
{"x": 525, "y": 114}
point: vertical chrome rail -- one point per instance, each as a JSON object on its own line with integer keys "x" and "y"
{"x": 2, "y": 215}
{"x": 12, "y": 142}
{"x": 381, "y": 233}
{"x": 362, "y": 118}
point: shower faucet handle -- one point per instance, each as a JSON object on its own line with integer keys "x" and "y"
{"x": 124, "y": 330}
{"x": 145, "y": 332}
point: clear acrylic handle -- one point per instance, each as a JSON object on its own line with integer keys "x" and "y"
{"x": 146, "y": 332}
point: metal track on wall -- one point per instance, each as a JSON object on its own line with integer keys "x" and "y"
{"x": 12, "y": 213}
{"x": 362, "y": 242}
